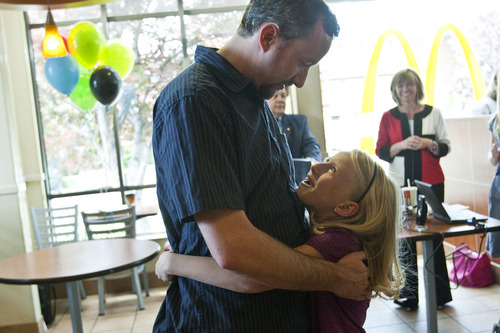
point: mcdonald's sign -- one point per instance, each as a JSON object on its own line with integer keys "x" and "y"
{"x": 369, "y": 87}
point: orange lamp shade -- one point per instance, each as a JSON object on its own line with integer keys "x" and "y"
{"x": 53, "y": 44}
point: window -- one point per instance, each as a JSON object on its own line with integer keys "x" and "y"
{"x": 87, "y": 159}
{"x": 83, "y": 156}
{"x": 343, "y": 71}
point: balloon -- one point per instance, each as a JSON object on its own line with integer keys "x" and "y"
{"x": 105, "y": 84}
{"x": 85, "y": 42}
{"x": 62, "y": 73}
{"x": 118, "y": 56}
{"x": 65, "y": 40}
{"x": 82, "y": 96}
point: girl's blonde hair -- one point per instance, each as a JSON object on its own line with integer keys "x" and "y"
{"x": 376, "y": 224}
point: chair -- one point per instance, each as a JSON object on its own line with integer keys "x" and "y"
{"x": 54, "y": 226}
{"x": 116, "y": 224}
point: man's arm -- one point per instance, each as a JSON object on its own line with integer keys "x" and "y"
{"x": 206, "y": 270}
{"x": 238, "y": 246}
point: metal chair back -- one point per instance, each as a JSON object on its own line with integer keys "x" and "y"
{"x": 55, "y": 226}
{"x": 110, "y": 224}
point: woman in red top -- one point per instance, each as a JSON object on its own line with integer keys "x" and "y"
{"x": 412, "y": 138}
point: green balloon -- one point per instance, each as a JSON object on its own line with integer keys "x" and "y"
{"x": 85, "y": 43}
{"x": 117, "y": 56}
{"x": 81, "y": 95}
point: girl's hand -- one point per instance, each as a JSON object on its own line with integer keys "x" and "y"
{"x": 163, "y": 265}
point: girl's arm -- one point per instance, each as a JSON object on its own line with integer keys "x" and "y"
{"x": 206, "y": 270}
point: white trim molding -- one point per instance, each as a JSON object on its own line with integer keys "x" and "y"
{"x": 37, "y": 177}
{"x": 12, "y": 189}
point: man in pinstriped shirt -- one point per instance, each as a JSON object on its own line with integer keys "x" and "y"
{"x": 225, "y": 178}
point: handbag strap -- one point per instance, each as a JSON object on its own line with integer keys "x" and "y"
{"x": 471, "y": 255}
{"x": 455, "y": 267}
{"x": 458, "y": 250}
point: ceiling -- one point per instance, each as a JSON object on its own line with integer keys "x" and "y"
{"x": 42, "y": 4}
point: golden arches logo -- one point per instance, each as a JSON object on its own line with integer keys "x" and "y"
{"x": 367, "y": 143}
{"x": 369, "y": 88}
{"x": 475, "y": 74}
{"x": 371, "y": 75}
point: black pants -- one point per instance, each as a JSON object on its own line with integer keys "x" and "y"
{"x": 409, "y": 262}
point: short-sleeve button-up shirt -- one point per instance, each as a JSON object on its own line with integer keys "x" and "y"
{"x": 217, "y": 145}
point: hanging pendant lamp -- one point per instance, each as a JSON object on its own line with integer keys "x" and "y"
{"x": 53, "y": 44}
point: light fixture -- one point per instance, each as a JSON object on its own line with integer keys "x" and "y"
{"x": 53, "y": 44}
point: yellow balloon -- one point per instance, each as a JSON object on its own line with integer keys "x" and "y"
{"x": 85, "y": 43}
{"x": 118, "y": 56}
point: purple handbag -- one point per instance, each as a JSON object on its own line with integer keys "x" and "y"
{"x": 470, "y": 269}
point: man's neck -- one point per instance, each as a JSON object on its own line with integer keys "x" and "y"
{"x": 241, "y": 53}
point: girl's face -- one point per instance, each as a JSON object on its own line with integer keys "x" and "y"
{"x": 407, "y": 92}
{"x": 328, "y": 185}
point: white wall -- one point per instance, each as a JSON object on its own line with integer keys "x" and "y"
{"x": 19, "y": 156}
{"x": 309, "y": 104}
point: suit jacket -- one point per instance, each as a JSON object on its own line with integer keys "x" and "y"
{"x": 300, "y": 139}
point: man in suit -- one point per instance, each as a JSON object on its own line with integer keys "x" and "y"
{"x": 301, "y": 141}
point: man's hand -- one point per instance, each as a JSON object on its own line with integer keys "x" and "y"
{"x": 353, "y": 277}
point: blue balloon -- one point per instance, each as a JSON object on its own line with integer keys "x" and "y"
{"x": 62, "y": 73}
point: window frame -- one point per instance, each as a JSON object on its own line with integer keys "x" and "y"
{"x": 104, "y": 19}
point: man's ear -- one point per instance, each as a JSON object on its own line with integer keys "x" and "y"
{"x": 347, "y": 208}
{"x": 268, "y": 36}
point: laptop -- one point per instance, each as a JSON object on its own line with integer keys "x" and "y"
{"x": 453, "y": 214}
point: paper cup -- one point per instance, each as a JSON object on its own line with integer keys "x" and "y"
{"x": 409, "y": 195}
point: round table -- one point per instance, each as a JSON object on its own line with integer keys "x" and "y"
{"x": 76, "y": 261}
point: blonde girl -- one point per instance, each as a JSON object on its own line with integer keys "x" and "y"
{"x": 354, "y": 206}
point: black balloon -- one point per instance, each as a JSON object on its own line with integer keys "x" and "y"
{"x": 105, "y": 84}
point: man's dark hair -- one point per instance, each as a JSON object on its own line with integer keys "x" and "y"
{"x": 296, "y": 19}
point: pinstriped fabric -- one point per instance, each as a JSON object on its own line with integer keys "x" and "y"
{"x": 217, "y": 145}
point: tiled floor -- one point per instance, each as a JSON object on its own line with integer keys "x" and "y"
{"x": 122, "y": 314}
{"x": 472, "y": 310}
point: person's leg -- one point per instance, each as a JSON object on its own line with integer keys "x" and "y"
{"x": 443, "y": 291}
{"x": 409, "y": 294}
